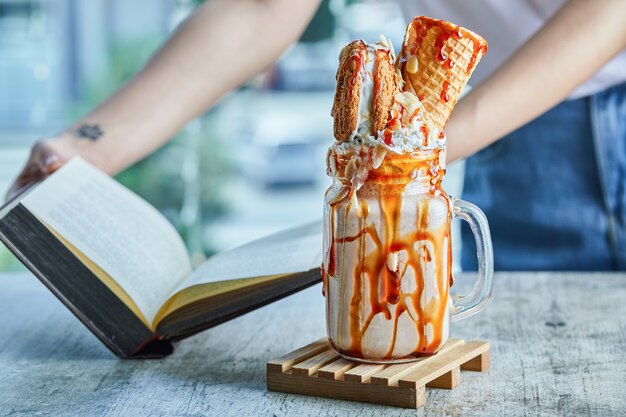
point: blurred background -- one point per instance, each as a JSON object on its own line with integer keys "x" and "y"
{"x": 252, "y": 165}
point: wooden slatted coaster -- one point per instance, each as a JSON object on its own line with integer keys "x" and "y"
{"x": 318, "y": 370}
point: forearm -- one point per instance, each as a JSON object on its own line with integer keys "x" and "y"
{"x": 225, "y": 43}
{"x": 569, "y": 49}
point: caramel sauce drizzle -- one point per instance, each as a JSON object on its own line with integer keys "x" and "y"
{"x": 371, "y": 271}
{"x": 444, "y": 89}
{"x": 425, "y": 132}
{"x": 479, "y": 47}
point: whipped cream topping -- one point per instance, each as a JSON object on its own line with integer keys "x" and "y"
{"x": 356, "y": 162}
{"x": 409, "y": 128}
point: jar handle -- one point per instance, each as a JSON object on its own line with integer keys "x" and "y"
{"x": 466, "y": 305}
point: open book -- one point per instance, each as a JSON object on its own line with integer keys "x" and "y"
{"x": 120, "y": 266}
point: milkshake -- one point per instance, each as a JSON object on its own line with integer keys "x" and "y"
{"x": 387, "y": 266}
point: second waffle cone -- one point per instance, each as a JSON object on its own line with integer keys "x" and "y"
{"x": 446, "y": 57}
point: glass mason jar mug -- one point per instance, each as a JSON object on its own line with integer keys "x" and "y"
{"x": 387, "y": 265}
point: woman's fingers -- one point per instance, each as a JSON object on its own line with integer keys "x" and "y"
{"x": 44, "y": 160}
{"x": 47, "y": 159}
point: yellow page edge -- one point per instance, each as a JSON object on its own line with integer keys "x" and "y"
{"x": 199, "y": 292}
{"x": 102, "y": 276}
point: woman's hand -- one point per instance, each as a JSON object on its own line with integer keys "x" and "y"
{"x": 46, "y": 156}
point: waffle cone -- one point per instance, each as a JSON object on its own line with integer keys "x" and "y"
{"x": 446, "y": 57}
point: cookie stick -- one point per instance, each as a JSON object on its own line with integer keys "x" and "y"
{"x": 366, "y": 85}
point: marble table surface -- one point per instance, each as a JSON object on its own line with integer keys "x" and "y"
{"x": 558, "y": 348}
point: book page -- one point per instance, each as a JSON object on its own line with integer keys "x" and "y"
{"x": 287, "y": 252}
{"x": 117, "y": 230}
{"x": 106, "y": 279}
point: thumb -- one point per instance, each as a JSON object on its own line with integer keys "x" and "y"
{"x": 49, "y": 162}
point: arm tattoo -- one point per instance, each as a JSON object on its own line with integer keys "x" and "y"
{"x": 87, "y": 131}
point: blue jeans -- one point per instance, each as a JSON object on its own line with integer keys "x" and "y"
{"x": 554, "y": 190}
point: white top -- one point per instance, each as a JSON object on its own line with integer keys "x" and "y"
{"x": 507, "y": 25}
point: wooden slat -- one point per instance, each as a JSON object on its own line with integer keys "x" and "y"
{"x": 391, "y": 374}
{"x": 479, "y": 364}
{"x": 336, "y": 369}
{"x": 285, "y": 362}
{"x": 345, "y": 390}
{"x": 362, "y": 373}
{"x": 441, "y": 363}
{"x": 311, "y": 365}
{"x": 449, "y": 380}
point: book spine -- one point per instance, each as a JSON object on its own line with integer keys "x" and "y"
{"x": 155, "y": 348}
